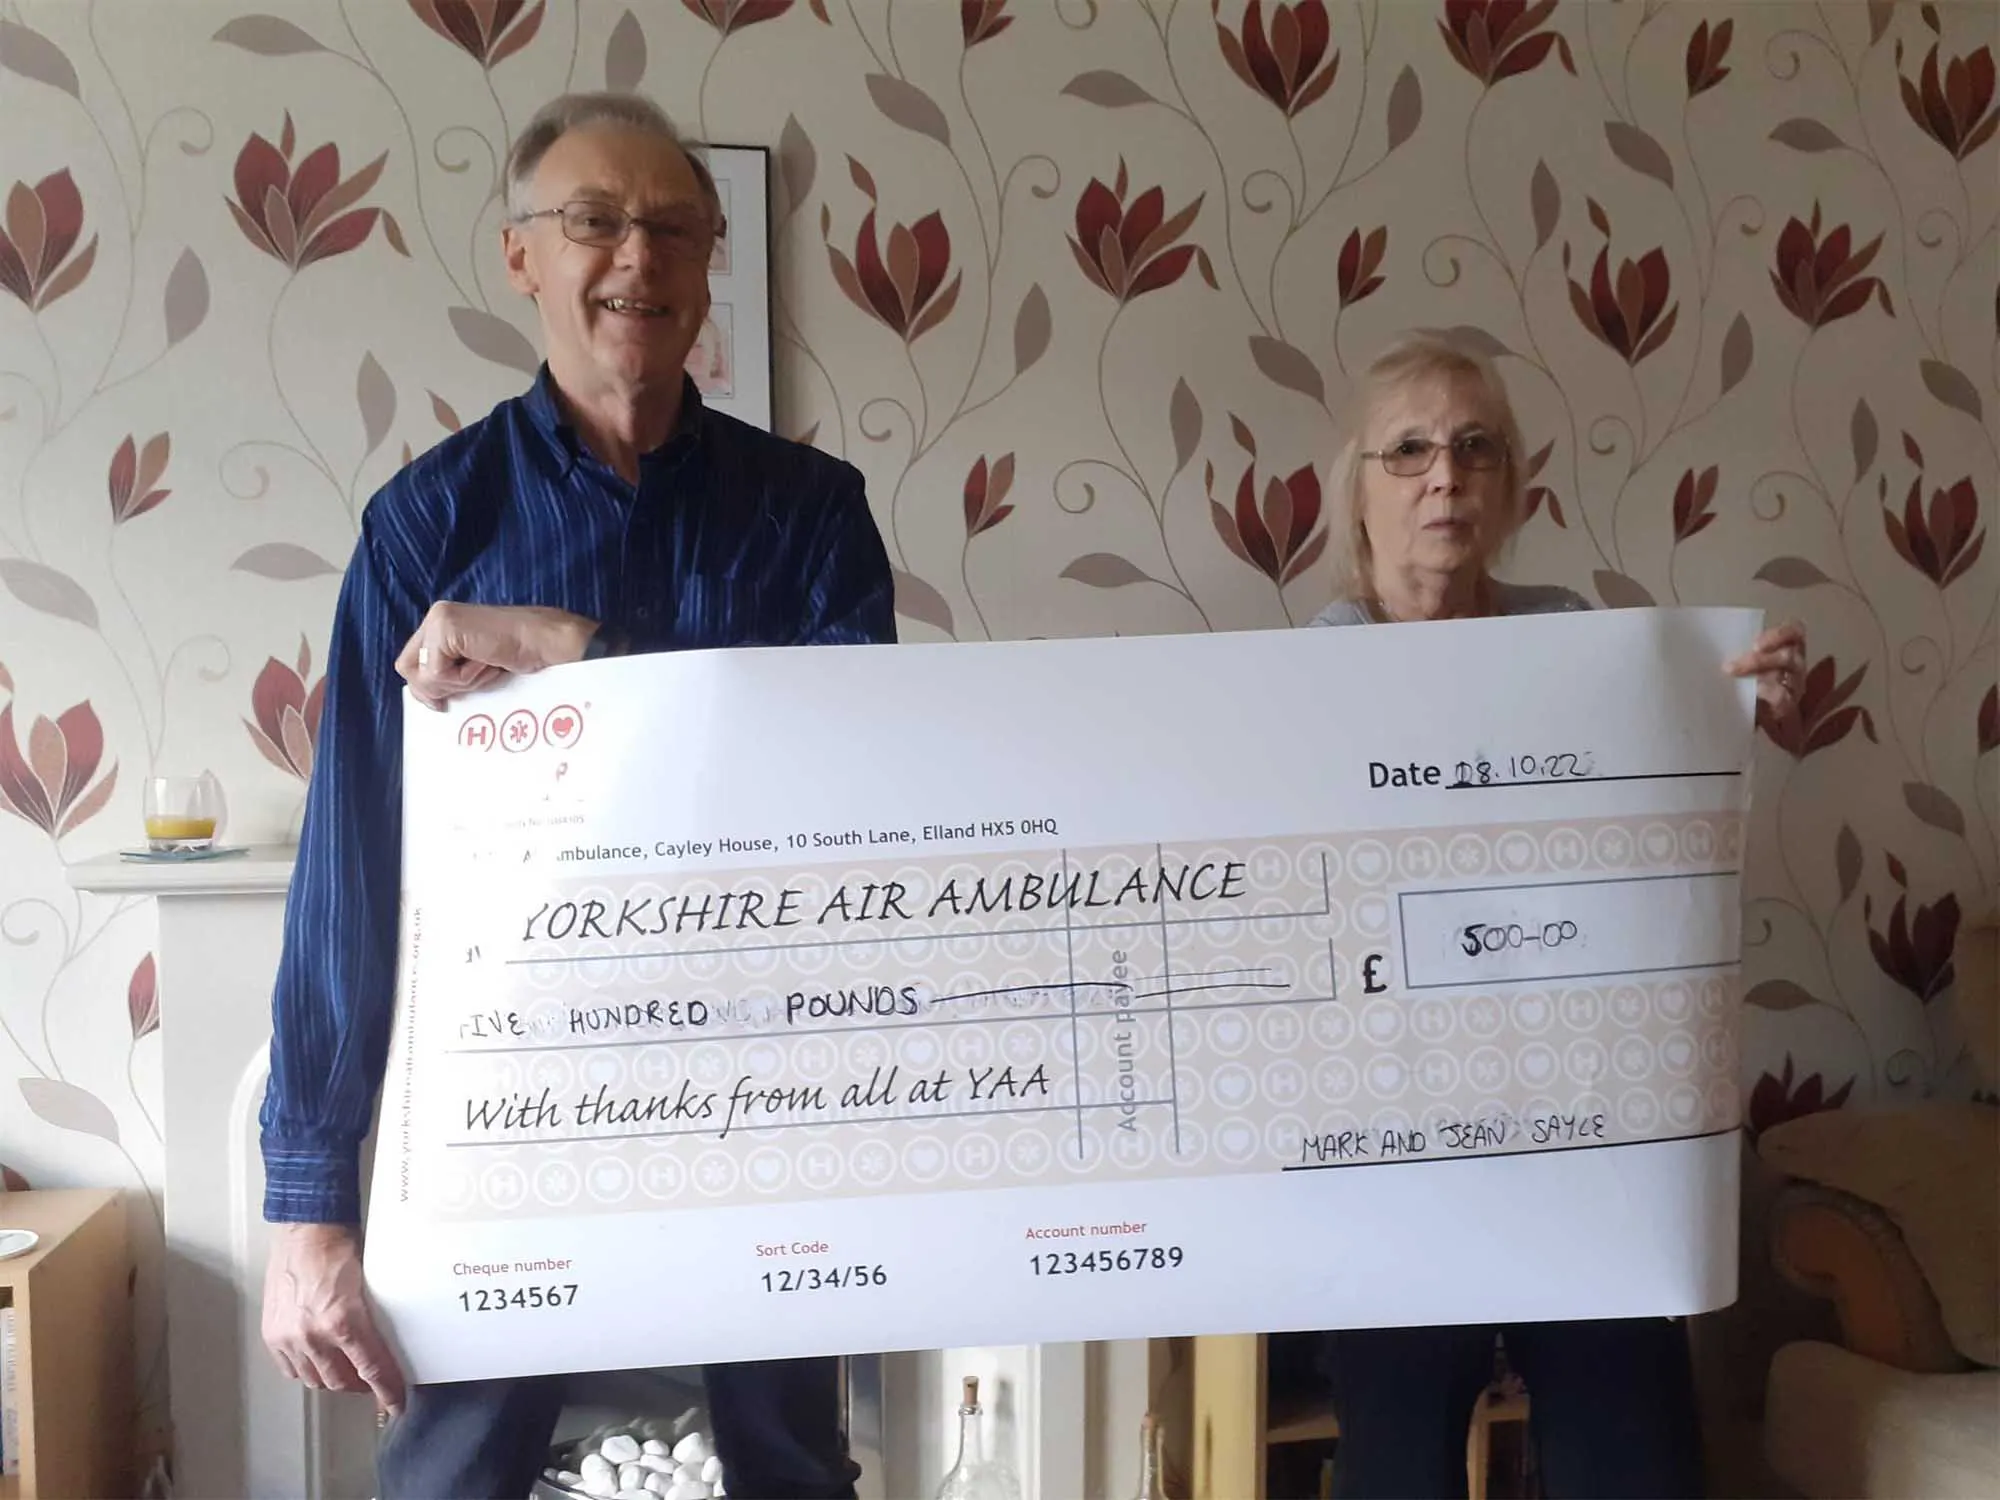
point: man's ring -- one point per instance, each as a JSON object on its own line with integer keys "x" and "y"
{"x": 423, "y": 657}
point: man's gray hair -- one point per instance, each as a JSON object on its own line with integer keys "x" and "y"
{"x": 570, "y": 112}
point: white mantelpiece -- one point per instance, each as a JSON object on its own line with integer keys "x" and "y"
{"x": 240, "y": 1429}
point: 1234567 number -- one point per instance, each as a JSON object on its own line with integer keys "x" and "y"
{"x": 520, "y": 1298}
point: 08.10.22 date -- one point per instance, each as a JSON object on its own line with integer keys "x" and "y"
{"x": 1102, "y": 1262}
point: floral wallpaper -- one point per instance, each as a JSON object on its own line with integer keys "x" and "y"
{"x": 1079, "y": 284}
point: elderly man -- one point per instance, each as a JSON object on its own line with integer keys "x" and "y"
{"x": 603, "y": 511}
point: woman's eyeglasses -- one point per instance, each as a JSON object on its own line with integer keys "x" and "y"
{"x": 1411, "y": 456}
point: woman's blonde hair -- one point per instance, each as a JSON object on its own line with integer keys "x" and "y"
{"x": 1412, "y": 358}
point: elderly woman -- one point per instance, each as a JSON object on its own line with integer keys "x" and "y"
{"x": 1430, "y": 472}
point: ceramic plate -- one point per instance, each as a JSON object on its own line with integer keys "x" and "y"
{"x": 15, "y": 1242}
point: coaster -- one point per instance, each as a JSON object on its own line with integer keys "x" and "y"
{"x": 15, "y": 1242}
{"x": 182, "y": 856}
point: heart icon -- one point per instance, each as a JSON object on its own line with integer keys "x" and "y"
{"x": 1385, "y": 1077}
{"x": 562, "y": 725}
{"x": 1232, "y": 1087}
{"x": 923, "y": 1160}
{"x": 1228, "y": 1031}
{"x": 1535, "y": 1066}
{"x": 766, "y": 1169}
{"x": 1238, "y": 1141}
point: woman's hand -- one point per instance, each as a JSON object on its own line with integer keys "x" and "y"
{"x": 1777, "y": 659}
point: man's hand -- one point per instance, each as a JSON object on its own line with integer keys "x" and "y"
{"x": 316, "y": 1319}
{"x": 461, "y": 648}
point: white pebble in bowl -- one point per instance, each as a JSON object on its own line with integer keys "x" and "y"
{"x": 692, "y": 1449}
{"x": 655, "y": 1447}
{"x": 631, "y": 1477}
{"x": 689, "y": 1489}
{"x": 621, "y": 1448}
{"x": 657, "y": 1463}
{"x": 641, "y": 1494}
{"x": 600, "y": 1484}
{"x": 659, "y": 1484}
{"x": 711, "y": 1469}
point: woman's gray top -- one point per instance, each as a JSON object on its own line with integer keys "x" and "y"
{"x": 1508, "y": 599}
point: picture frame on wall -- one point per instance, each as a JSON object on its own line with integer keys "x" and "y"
{"x": 731, "y": 360}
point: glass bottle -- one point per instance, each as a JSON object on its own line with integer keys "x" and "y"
{"x": 974, "y": 1476}
{"x": 1152, "y": 1459}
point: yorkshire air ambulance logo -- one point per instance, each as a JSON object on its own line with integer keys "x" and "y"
{"x": 560, "y": 728}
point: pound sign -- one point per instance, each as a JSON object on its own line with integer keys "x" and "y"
{"x": 1369, "y": 984}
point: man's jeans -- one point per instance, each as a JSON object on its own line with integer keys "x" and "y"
{"x": 1611, "y": 1406}
{"x": 776, "y": 1422}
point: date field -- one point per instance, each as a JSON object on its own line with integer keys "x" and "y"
{"x": 1581, "y": 929}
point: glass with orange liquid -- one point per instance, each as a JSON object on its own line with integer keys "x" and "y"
{"x": 181, "y": 813}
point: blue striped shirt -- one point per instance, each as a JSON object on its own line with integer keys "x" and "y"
{"x": 731, "y": 537}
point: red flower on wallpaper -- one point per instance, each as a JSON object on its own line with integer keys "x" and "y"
{"x": 1692, "y": 498}
{"x": 733, "y": 15}
{"x": 1274, "y": 537}
{"x": 134, "y": 475}
{"x": 1290, "y": 67}
{"x": 12, "y": 1181}
{"x": 982, "y": 20}
{"x": 1539, "y": 494}
{"x": 1945, "y": 544}
{"x": 303, "y": 214}
{"x": 43, "y": 224}
{"x": 142, "y": 999}
{"x": 1631, "y": 315}
{"x": 986, "y": 493}
{"x": 1496, "y": 39}
{"x": 1916, "y": 953}
{"x": 1705, "y": 54}
{"x": 487, "y": 31}
{"x": 900, "y": 284}
{"x": 1824, "y": 718}
{"x": 1777, "y": 1098}
{"x": 1819, "y": 280}
{"x": 1129, "y": 250}
{"x": 1358, "y": 270}
{"x": 287, "y": 713}
{"x": 1956, "y": 111}
{"x": 50, "y": 786}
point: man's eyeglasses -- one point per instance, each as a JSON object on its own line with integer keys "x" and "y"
{"x": 1411, "y": 456}
{"x": 603, "y": 226}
